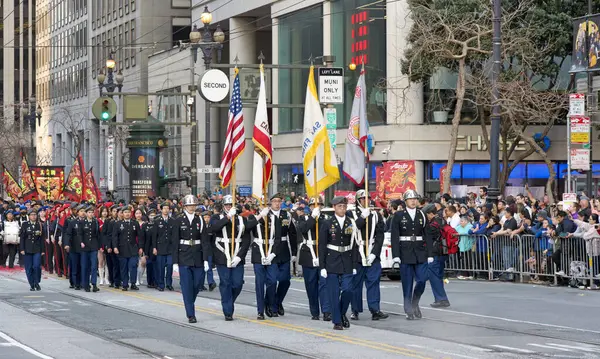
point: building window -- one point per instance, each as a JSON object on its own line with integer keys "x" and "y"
{"x": 300, "y": 37}
{"x": 126, "y": 45}
{"x": 180, "y": 30}
{"x": 132, "y": 34}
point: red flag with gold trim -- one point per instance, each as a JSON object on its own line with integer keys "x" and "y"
{"x": 11, "y": 186}
{"x": 28, "y": 187}
{"x": 90, "y": 189}
{"x": 73, "y": 190}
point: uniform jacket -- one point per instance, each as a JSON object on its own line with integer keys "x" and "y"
{"x": 147, "y": 233}
{"x": 107, "y": 232}
{"x": 411, "y": 252}
{"x": 125, "y": 238}
{"x": 288, "y": 237}
{"x": 192, "y": 255}
{"x": 72, "y": 236}
{"x": 217, "y": 223}
{"x": 361, "y": 224}
{"x": 275, "y": 247}
{"x": 331, "y": 233}
{"x": 162, "y": 236}
{"x": 306, "y": 225}
{"x": 89, "y": 231}
{"x": 32, "y": 237}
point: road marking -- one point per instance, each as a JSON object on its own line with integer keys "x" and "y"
{"x": 298, "y": 305}
{"x": 525, "y": 351}
{"x": 33, "y": 296}
{"x": 440, "y": 351}
{"x": 167, "y": 357}
{"x": 24, "y": 347}
{"x": 583, "y": 349}
{"x": 549, "y": 347}
{"x": 470, "y": 347}
{"x": 6, "y": 345}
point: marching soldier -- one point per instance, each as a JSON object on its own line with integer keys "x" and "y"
{"x": 229, "y": 256}
{"x": 31, "y": 247}
{"x": 369, "y": 241}
{"x": 163, "y": 245}
{"x": 72, "y": 242}
{"x": 412, "y": 249}
{"x": 433, "y": 229}
{"x": 126, "y": 234}
{"x": 89, "y": 231}
{"x": 49, "y": 248}
{"x": 286, "y": 253}
{"x": 336, "y": 239}
{"x": 191, "y": 253}
{"x": 315, "y": 284}
{"x": 112, "y": 260}
{"x": 148, "y": 233}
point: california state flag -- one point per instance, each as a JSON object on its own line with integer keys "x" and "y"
{"x": 262, "y": 144}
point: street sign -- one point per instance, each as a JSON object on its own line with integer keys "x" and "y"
{"x": 245, "y": 191}
{"x": 208, "y": 170}
{"x": 331, "y": 124}
{"x": 580, "y": 129}
{"x": 110, "y": 164}
{"x": 331, "y": 85}
{"x": 580, "y": 159}
{"x": 569, "y": 197}
{"x": 577, "y": 104}
{"x": 213, "y": 85}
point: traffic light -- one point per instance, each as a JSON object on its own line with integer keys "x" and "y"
{"x": 105, "y": 116}
{"x": 104, "y": 109}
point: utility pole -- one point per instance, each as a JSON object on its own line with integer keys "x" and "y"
{"x": 590, "y": 94}
{"x": 494, "y": 188}
{"x": 194, "y": 129}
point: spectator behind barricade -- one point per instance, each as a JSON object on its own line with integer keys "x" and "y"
{"x": 463, "y": 210}
{"x": 394, "y": 206}
{"x": 584, "y": 207}
{"x": 482, "y": 196}
{"x": 521, "y": 199}
{"x": 589, "y": 232}
{"x": 493, "y": 226}
{"x": 440, "y": 208}
{"x": 452, "y": 217}
{"x": 525, "y": 223}
{"x": 564, "y": 227}
{"x": 574, "y": 212}
{"x": 595, "y": 206}
{"x": 465, "y": 246}
{"x": 501, "y": 211}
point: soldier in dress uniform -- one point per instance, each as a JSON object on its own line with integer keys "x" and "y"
{"x": 336, "y": 239}
{"x": 72, "y": 241}
{"x": 148, "y": 232}
{"x": 89, "y": 231}
{"x": 191, "y": 253}
{"x": 125, "y": 244}
{"x": 31, "y": 248}
{"x": 285, "y": 254}
{"x": 435, "y": 271}
{"x": 367, "y": 258}
{"x": 230, "y": 259}
{"x": 112, "y": 260}
{"x": 315, "y": 284}
{"x": 163, "y": 245}
{"x": 412, "y": 249}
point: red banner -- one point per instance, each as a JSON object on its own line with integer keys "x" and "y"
{"x": 73, "y": 189}
{"x": 399, "y": 177}
{"x": 11, "y": 186}
{"x": 27, "y": 183}
{"x": 442, "y": 174}
{"x": 91, "y": 193}
{"x": 380, "y": 181}
{"x": 48, "y": 181}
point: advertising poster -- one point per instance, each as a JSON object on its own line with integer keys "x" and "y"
{"x": 49, "y": 181}
{"x": 399, "y": 177}
{"x": 579, "y": 44}
{"x": 143, "y": 172}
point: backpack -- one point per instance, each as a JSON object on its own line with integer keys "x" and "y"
{"x": 450, "y": 238}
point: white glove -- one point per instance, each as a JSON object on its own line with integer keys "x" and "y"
{"x": 397, "y": 260}
{"x": 324, "y": 273}
{"x": 232, "y": 212}
{"x": 270, "y": 257}
{"x": 315, "y": 262}
{"x": 371, "y": 258}
{"x": 430, "y": 260}
{"x": 206, "y": 268}
{"x": 316, "y": 212}
{"x": 294, "y": 208}
{"x": 236, "y": 260}
{"x": 264, "y": 212}
{"x": 365, "y": 213}
{"x": 294, "y": 259}
{"x": 354, "y": 272}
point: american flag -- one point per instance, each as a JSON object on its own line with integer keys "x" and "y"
{"x": 234, "y": 139}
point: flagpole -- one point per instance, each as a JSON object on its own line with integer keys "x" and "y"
{"x": 233, "y": 195}
{"x": 317, "y": 206}
{"x": 367, "y": 197}
{"x": 264, "y": 201}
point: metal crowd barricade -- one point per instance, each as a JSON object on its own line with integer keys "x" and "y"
{"x": 578, "y": 259}
{"x": 537, "y": 257}
{"x": 505, "y": 255}
{"x": 472, "y": 259}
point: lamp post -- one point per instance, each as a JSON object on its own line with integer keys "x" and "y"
{"x": 114, "y": 81}
{"x": 30, "y": 114}
{"x": 494, "y": 188}
{"x": 207, "y": 43}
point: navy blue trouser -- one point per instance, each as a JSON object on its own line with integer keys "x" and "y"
{"x": 33, "y": 268}
{"x": 316, "y": 290}
{"x": 370, "y": 276}
{"x": 436, "y": 277}
{"x": 284, "y": 278}
{"x": 339, "y": 287}
{"x": 265, "y": 280}
{"x": 210, "y": 278}
{"x": 151, "y": 270}
{"x": 165, "y": 271}
{"x": 410, "y": 273}
{"x": 75, "y": 268}
{"x": 189, "y": 280}
{"x": 89, "y": 268}
{"x": 231, "y": 281}
{"x": 129, "y": 269}
{"x": 114, "y": 269}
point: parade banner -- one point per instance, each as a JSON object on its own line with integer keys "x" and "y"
{"x": 143, "y": 172}
{"x": 399, "y": 177}
{"x": 73, "y": 188}
{"x": 380, "y": 182}
{"x": 442, "y": 174}
{"x": 91, "y": 194}
{"x": 48, "y": 181}
{"x": 28, "y": 188}
{"x": 11, "y": 187}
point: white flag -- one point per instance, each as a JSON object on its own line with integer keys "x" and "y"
{"x": 261, "y": 170}
{"x": 356, "y": 139}
{"x": 318, "y": 157}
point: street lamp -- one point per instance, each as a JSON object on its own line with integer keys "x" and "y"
{"x": 114, "y": 82}
{"x": 30, "y": 112}
{"x": 207, "y": 42}
{"x": 494, "y": 188}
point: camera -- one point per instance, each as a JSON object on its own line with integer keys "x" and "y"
{"x": 385, "y": 151}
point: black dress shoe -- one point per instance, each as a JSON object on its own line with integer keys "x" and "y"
{"x": 151, "y": 286}
{"x": 87, "y": 289}
{"x": 354, "y": 316}
{"x": 228, "y": 318}
{"x": 379, "y": 315}
{"x": 59, "y": 275}
{"x": 260, "y": 316}
{"x": 212, "y": 286}
{"x": 345, "y": 321}
{"x": 315, "y": 317}
{"x": 95, "y": 289}
{"x": 170, "y": 288}
{"x": 71, "y": 286}
{"x": 275, "y": 315}
{"x": 37, "y": 287}
{"x": 134, "y": 287}
{"x": 117, "y": 286}
{"x": 338, "y": 327}
{"x": 32, "y": 289}
{"x": 192, "y": 320}
{"x": 327, "y": 317}
{"x": 77, "y": 287}
{"x": 203, "y": 289}
{"x": 417, "y": 312}
{"x": 440, "y": 304}
{"x": 125, "y": 289}
{"x": 112, "y": 285}
{"x": 161, "y": 289}
{"x": 269, "y": 312}
{"x": 281, "y": 311}
{"x": 410, "y": 317}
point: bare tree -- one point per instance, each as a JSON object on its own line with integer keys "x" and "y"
{"x": 73, "y": 124}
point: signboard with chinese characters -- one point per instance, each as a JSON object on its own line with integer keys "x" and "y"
{"x": 331, "y": 123}
{"x": 48, "y": 181}
{"x": 577, "y": 104}
{"x": 580, "y": 159}
{"x": 143, "y": 172}
{"x": 580, "y": 129}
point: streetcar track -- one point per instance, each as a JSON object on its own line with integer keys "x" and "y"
{"x": 149, "y": 316}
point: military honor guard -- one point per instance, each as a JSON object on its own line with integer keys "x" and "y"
{"x": 285, "y": 253}
{"x": 89, "y": 232}
{"x": 72, "y": 242}
{"x": 369, "y": 241}
{"x": 31, "y": 248}
{"x": 230, "y": 244}
{"x": 336, "y": 239}
{"x": 112, "y": 260}
{"x": 191, "y": 254}
{"x": 433, "y": 230}
{"x": 307, "y": 257}
{"x": 125, "y": 244}
{"x": 412, "y": 249}
{"x": 163, "y": 245}
{"x": 148, "y": 232}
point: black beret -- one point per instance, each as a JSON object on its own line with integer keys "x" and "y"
{"x": 277, "y": 195}
{"x": 164, "y": 204}
{"x": 339, "y": 200}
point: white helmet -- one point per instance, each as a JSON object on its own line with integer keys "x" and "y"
{"x": 411, "y": 194}
{"x": 360, "y": 194}
{"x": 190, "y": 200}
{"x": 228, "y": 199}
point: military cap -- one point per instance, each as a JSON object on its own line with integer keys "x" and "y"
{"x": 91, "y": 207}
{"x": 31, "y": 211}
{"x": 80, "y": 207}
{"x": 127, "y": 208}
{"x": 73, "y": 204}
{"x": 277, "y": 195}
{"x": 43, "y": 209}
{"x": 120, "y": 209}
{"x": 15, "y": 213}
{"x": 114, "y": 206}
{"x": 22, "y": 208}
{"x": 152, "y": 211}
{"x": 339, "y": 200}
{"x": 165, "y": 204}
{"x": 206, "y": 213}
{"x": 430, "y": 208}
